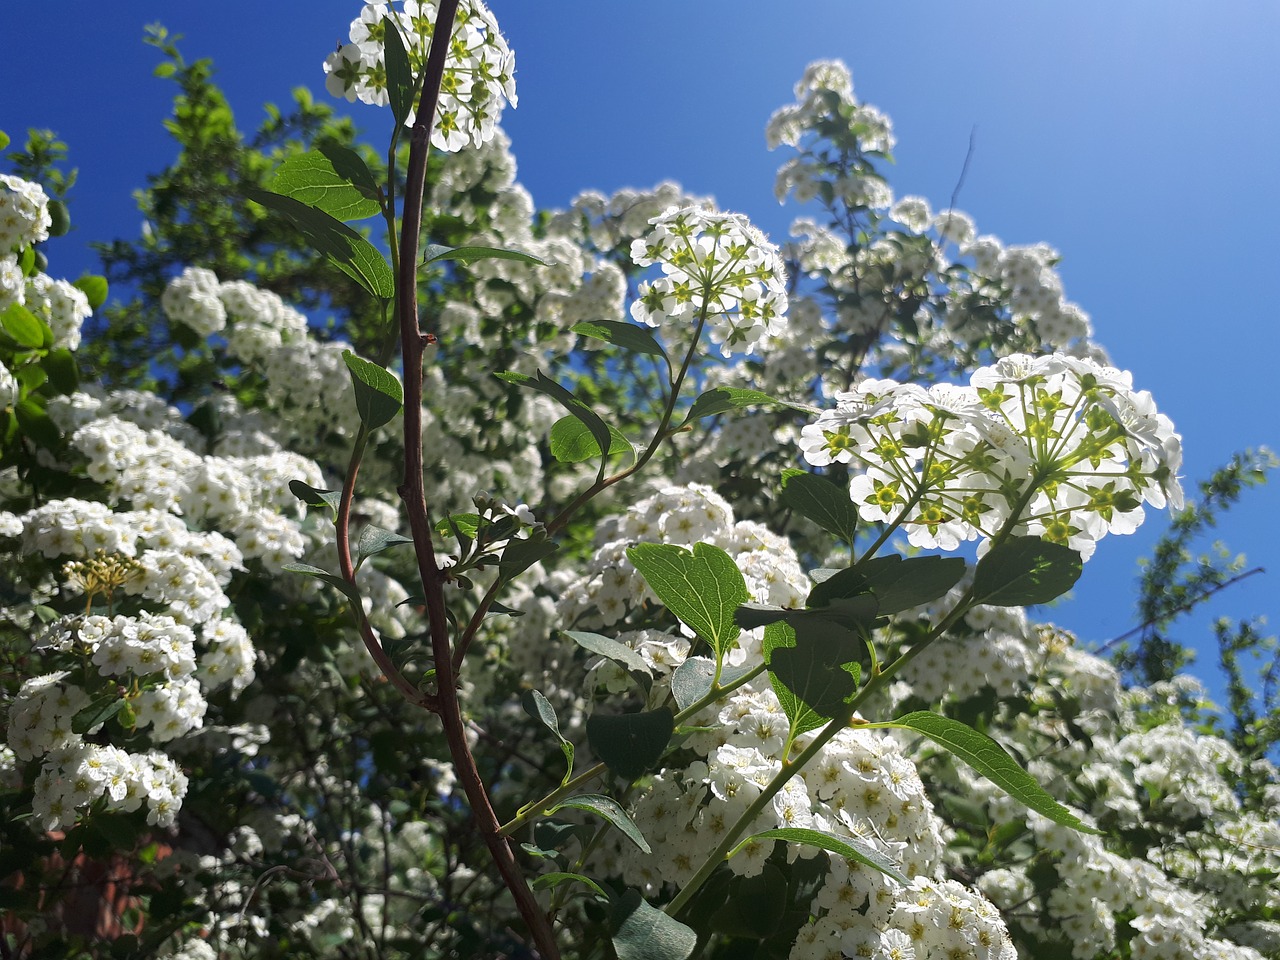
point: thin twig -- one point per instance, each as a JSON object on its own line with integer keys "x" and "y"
{"x": 1181, "y": 608}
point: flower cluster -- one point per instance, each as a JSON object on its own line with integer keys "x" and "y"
{"x": 1058, "y": 447}
{"x": 24, "y": 213}
{"x": 716, "y": 269}
{"x": 478, "y": 75}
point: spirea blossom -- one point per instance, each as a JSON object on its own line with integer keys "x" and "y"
{"x": 478, "y": 76}
{"x": 1054, "y": 446}
{"x": 24, "y": 213}
{"x": 718, "y": 269}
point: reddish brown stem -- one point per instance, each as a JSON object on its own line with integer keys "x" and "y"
{"x": 413, "y": 343}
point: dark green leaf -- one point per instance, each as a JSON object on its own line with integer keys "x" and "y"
{"x": 702, "y": 587}
{"x": 379, "y": 396}
{"x": 1024, "y": 571}
{"x": 814, "y": 666}
{"x": 608, "y": 809}
{"x": 470, "y": 253}
{"x": 551, "y": 880}
{"x": 349, "y": 589}
{"x": 349, "y": 252}
{"x": 94, "y": 288}
{"x": 26, "y": 329}
{"x": 60, "y": 365}
{"x": 546, "y": 385}
{"x": 691, "y": 681}
{"x": 755, "y": 906}
{"x": 630, "y": 743}
{"x": 898, "y": 583}
{"x": 37, "y": 424}
{"x": 625, "y": 335}
{"x": 851, "y": 848}
{"x": 374, "y": 539}
{"x": 539, "y": 707}
{"x": 990, "y": 759}
{"x": 724, "y": 399}
{"x": 520, "y": 555}
{"x": 60, "y": 218}
{"x": 619, "y": 653}
{"x": 333, "y": 179}
{"x": 822, "y": 502}
{"x": 99, "y": 711}
{"x": 401, "y": 85}
{"x": 573, "y": 442}
{"x": 645, "y": 933}
{"x": 315, "y": 498}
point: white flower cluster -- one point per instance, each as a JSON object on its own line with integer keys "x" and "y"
{"x": 716, "y": 268}
{"x": 1057, "y": 447}
{"x": 24, "y": 213}
{"x": 478, "y": 76}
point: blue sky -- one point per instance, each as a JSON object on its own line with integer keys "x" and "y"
{"x": 1137, "y": 138}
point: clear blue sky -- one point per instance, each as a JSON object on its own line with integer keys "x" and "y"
{"x": 1138, "y": 138}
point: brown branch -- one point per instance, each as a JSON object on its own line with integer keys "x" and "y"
{"x": 412, "y": 491}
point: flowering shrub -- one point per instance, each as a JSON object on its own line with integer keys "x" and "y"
{"x": 538, "y": 672}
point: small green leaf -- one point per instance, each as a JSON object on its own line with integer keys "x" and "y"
{"x": 613, "y": 650}
{"x": 691, "y": 681}
{"x": 470, "y": 253}
{"x": 630, "y": 743}
{"x": 4, "y": 139}
{"x": 374, "y": 539}
{"x": 94, "y": 288}
{"x": 522, "y": 554}
{"x": 702, "y": 587}
{"x": 37, "y": 424}
{"x": 24, "y": 327}
{"x": 572, "y": 441}
{"x": 755, "y": 906}
{"x": 851, "y": 848}
{"x": 316, "y": 498}
{"x": 347, "y": 588}
{"x": 1025, "y": 571}
{"x": 401, "y": 85}
{"x": 642, "y": 932}
{"x": 625, "y": 335}
{"x": 545, "y": 385}
{"x": 821, "y": 501}
{"x": 379, "y": 396}
{"x": 814, "y": 666}
{"x": 898, "y": 583}
{"x": 99, "y": 711}
{"x": 990, "y": 759}
{"x": 333, "y": 179}
{"x": 60, "y": 219}
{"x": 608, "y": 809}
{"x": 468, "y": 524}
{"x": 347, "y": 250}
{"x": 539, "y": 707}
{"x": 555, "y": 879}
{"x": 724, "y": 399}
{"x": 60, "y": 365}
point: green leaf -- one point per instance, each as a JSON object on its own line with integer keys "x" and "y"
{"x": 470, "y": 253}
{"x": 630, "y": 743}
{"x": 379, "y": 396}
{"x": 99, "y": 711}
{"x": 351, "y": 253}
{"x": 1025, "y": 571}
{"x": 625, "y": 335}
{"x": 851, "y": 848}
{"x": 60, "y": 365}
{"x": 347, "y": 588}
{"x": 374, "y": 539}
{"x": 555, "y": 879}
{"x": 898, "y": 583}
{"x": 990, "y": 759}
{"x": 316, "y": 498}
{"x": 642, "y": 932}
{"x": 520, "y": 555}
{"x": 94, "y": 288}
{"x": 4, "y": 139}
{"x": 572, "y": 441}
{"x": 333, "y": 179}
{"x": 24, "y": 327}
{"x": 539, "y": 707}
{"x": 691, "y": 681}
{"x": 724, "y": 399}
{"x": 545, "y": 385}
{"x": 37, "y": 424}
{"x": 401, "y": 85}
{"x": 821, "y": 501}
{"x": 613, "y": 650}
{"x": 703, "y": 587}
{"x": 468, "y": 524}
{"x": 814, "y": 666}
{"x": 755, "y": 906}
{"x": 60, "y": 219}
{"x": 608, "y": 809}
